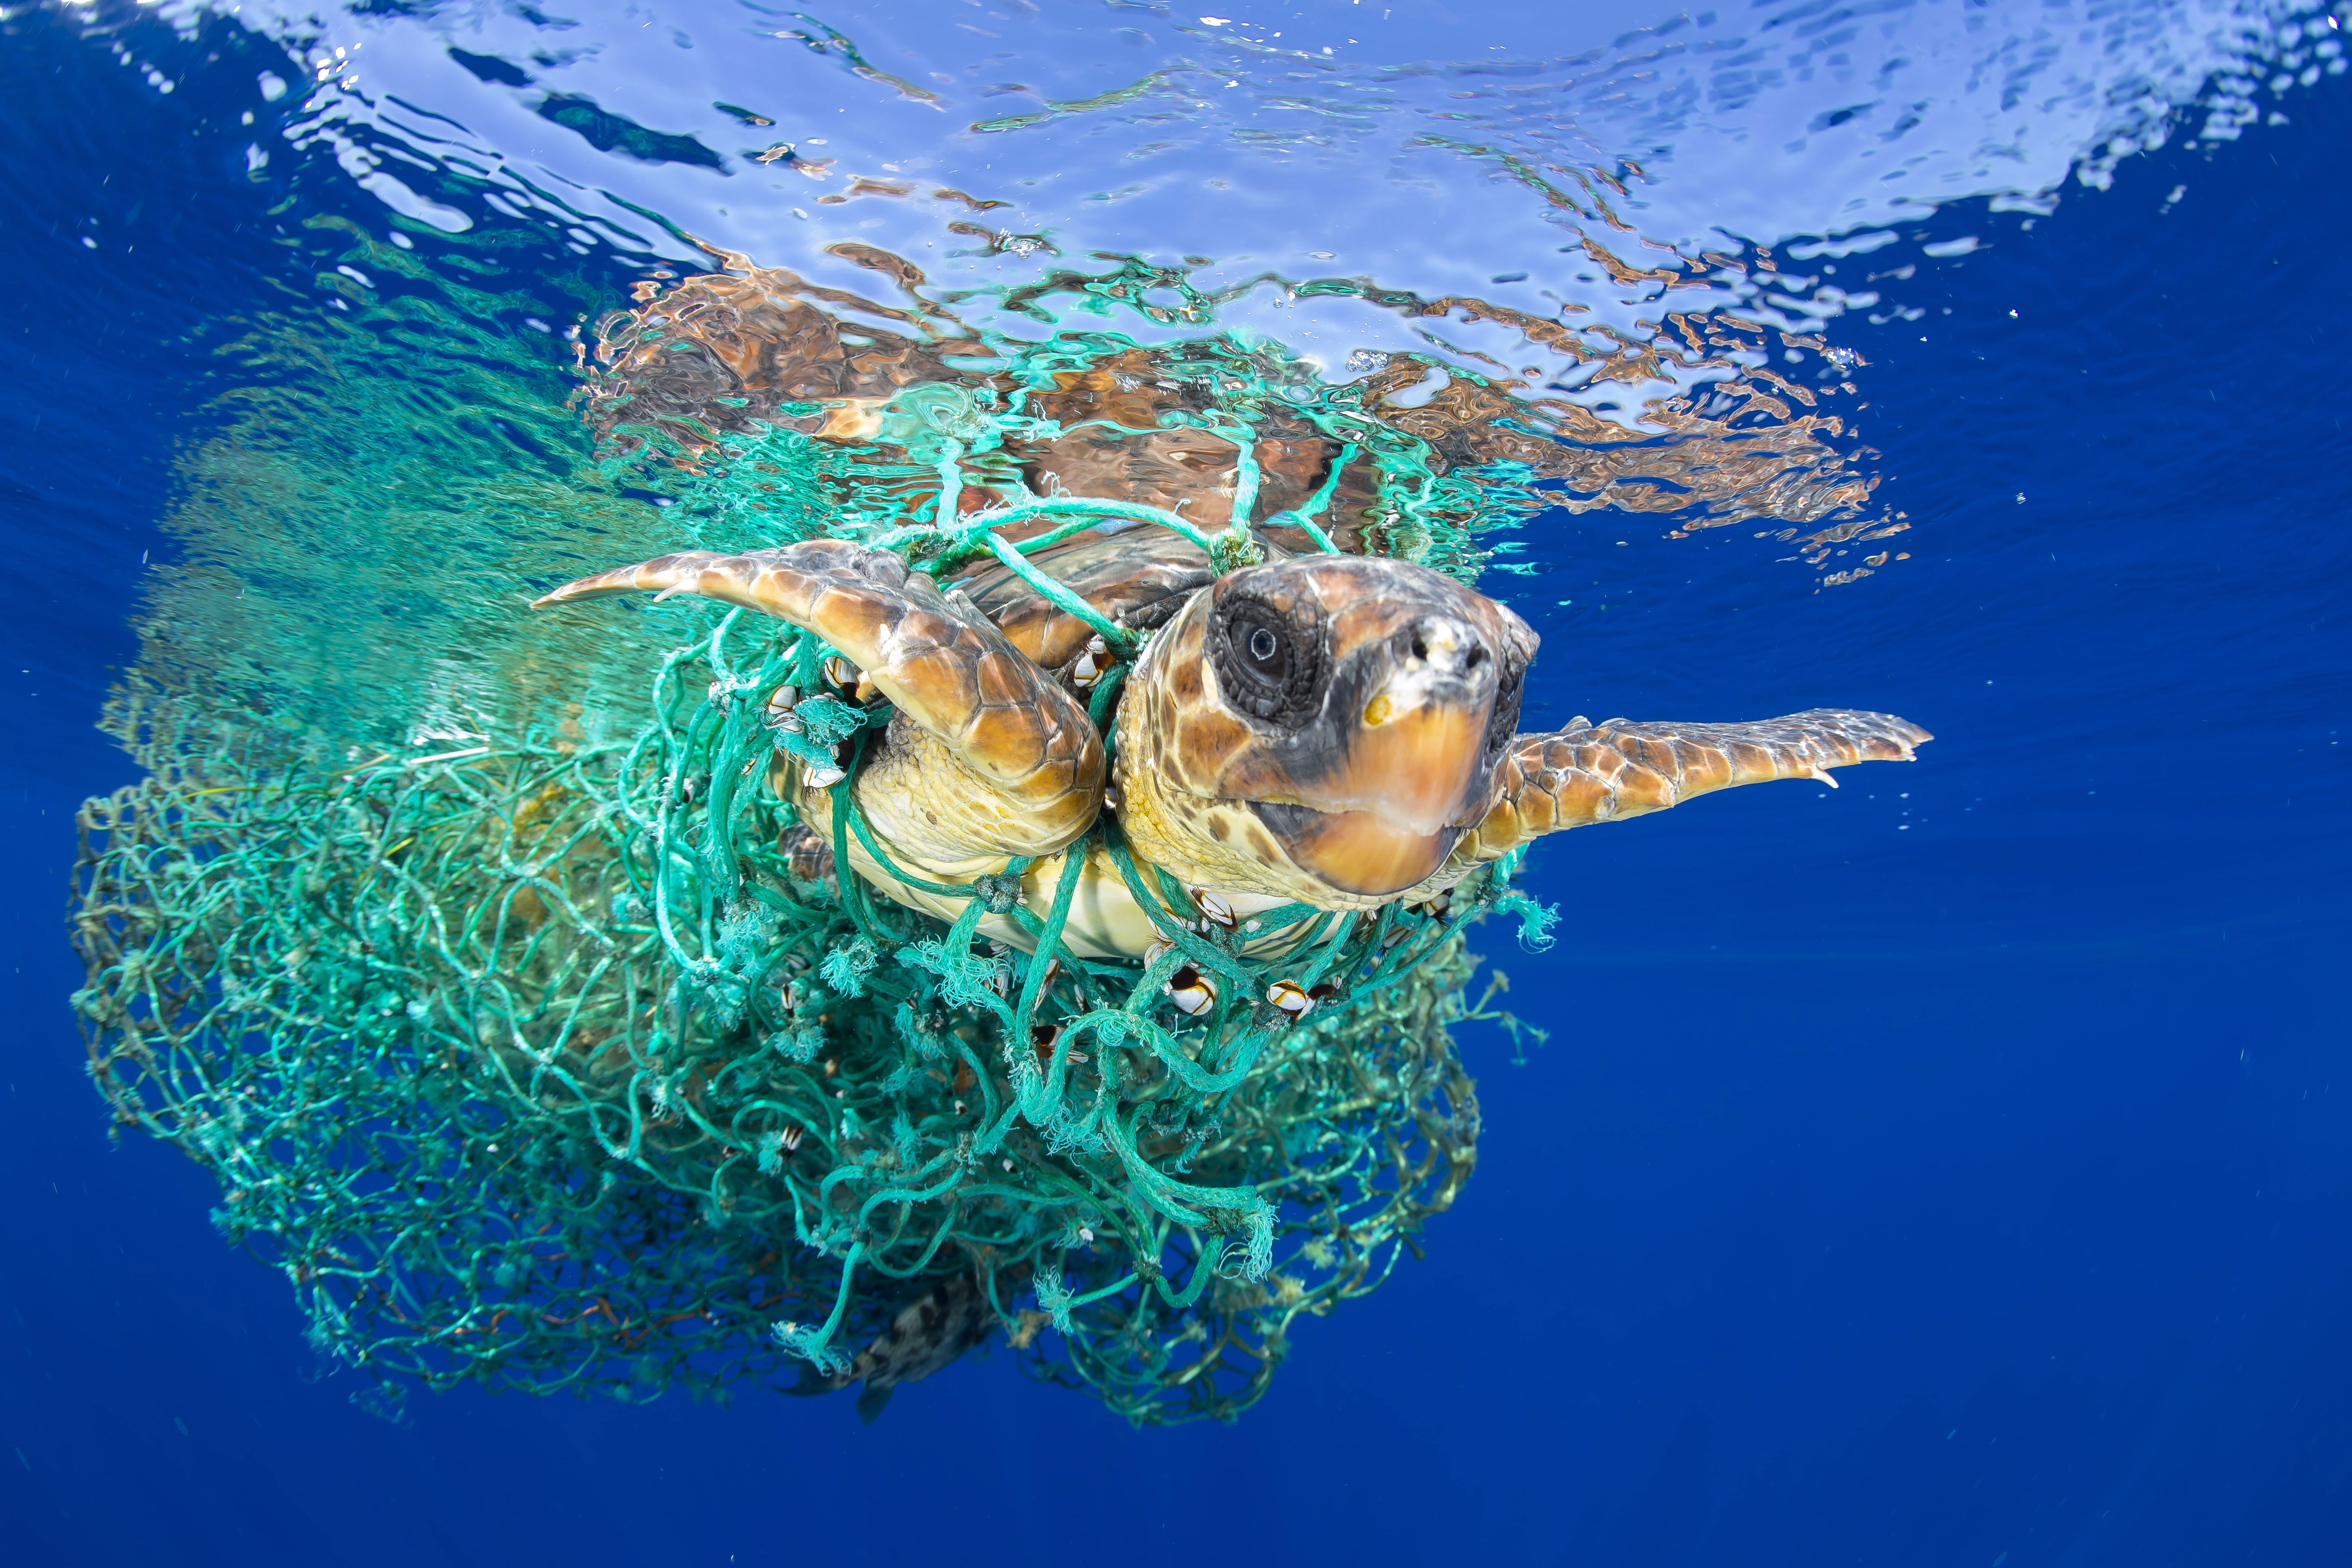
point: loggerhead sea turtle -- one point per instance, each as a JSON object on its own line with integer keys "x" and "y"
{"x": 1335, "y": 730}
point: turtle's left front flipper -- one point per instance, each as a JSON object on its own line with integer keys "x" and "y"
{"x": 1600, "y": 772}
{"x": 1012, "y": 766}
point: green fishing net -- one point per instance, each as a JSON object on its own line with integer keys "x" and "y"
{"x": 541, "y": 1066}
{"x": 554, "y": 1053}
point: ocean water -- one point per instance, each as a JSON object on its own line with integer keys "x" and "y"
{"x": 1944, "y": 1169}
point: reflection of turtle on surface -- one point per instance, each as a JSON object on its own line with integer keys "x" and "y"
{"x": 1320, "y": 723}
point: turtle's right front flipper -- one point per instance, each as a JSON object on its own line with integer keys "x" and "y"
{"x": 1028, "y": 759}
{"x": 1600, "y": 772}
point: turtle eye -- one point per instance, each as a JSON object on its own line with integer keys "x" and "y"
{"x": 1266, "y": 655}
{"x": 1266, "y": 659}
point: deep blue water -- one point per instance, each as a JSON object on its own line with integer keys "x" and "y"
{"x": 1946, "y": 1169}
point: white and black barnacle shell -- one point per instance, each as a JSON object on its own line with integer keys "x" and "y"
{"x": 1192, "y": 992}
{"x": 1291, "y": 997}
{"x": 1088, "y": 672}
{"x": 1000, "y": 977}
{"x": 1215, "y": 909}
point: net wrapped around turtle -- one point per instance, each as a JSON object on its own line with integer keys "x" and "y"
{"x": 557, "y": 1062}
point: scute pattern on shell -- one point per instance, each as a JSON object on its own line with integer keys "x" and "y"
{"x": 1139, "y": 577}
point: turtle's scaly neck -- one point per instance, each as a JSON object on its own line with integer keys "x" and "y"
{"x": 1217, "y": 845}
{"x": 1203, "y": 843}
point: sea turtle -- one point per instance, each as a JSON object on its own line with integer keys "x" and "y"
{"x": 1335, "y": 728}
{"x": 1332, "y": 728}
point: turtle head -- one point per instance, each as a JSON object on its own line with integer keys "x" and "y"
{"x": 1355, "y": 706}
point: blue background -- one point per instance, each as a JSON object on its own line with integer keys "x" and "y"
{"x": 1945, "y": 1170}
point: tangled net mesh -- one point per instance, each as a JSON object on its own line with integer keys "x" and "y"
{"x": 559, "y": 1062}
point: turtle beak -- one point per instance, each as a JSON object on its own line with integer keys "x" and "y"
{"x": 1410, "y": 777}
{"x": 1413, "y": 756}
{"x": 1355, "y": 851}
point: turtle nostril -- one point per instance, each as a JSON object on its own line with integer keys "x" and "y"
{"x": 1445, "y": 649}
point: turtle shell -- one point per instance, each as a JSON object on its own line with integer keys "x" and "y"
{"x": 1135, "y": 575}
